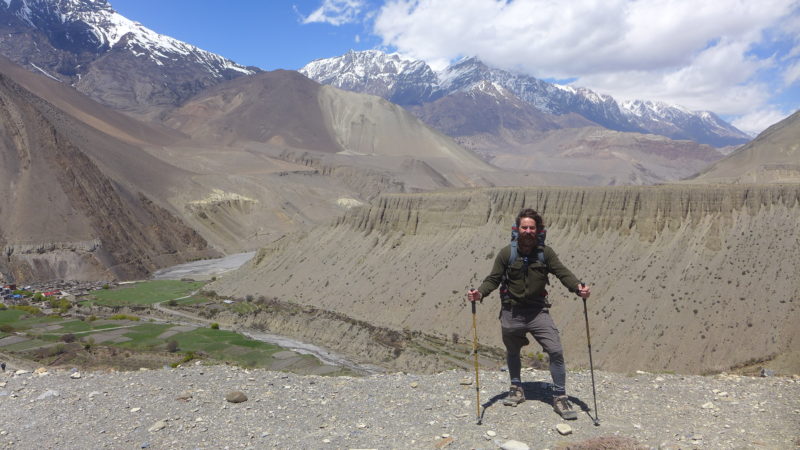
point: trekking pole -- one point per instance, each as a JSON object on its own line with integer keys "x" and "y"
{"x": 475, "y": 352}
{"x": 596, "y": 418}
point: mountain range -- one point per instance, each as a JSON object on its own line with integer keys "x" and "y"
{"x": 412, "y": 83}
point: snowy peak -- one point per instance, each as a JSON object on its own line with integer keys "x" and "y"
{"x": 387, "y": 75}
{"x": 391, "y": 76}
{"x": 678, "y": 122}
{"x": 93, "y": 25}
{"x": 112, "y": 59}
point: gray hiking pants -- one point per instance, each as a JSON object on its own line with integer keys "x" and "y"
{"x": 516, "y": 323}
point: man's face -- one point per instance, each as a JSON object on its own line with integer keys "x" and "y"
{"x": 527, "y": 230}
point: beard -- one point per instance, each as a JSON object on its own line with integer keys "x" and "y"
{"x": 527, "y": 240}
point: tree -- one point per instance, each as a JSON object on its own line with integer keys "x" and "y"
{"x": 172, "y": 346}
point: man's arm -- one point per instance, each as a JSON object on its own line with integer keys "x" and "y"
{"x": 565, "y": 276}
{"x": 495, "y": 277}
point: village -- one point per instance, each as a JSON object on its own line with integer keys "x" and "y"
{"x": 42, "y": 293}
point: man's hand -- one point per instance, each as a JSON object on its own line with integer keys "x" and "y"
{"x": 583, "y": 290}
{"x": 473, "y": 295}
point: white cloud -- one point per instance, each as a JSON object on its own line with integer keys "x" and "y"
{"x": 758, "y": 121}
{"x": 336, "y": 12}
{"x": 698, "y": 54}
{"x": 792, "y": 74}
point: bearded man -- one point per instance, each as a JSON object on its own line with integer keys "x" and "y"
{"x": 526, "y": 309}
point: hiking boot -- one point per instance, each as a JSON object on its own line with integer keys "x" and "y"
{"x": 515, "y": 396}
{"x": 563, "y": 407}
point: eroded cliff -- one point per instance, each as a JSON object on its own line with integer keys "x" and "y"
{"x": 685, "y": 278}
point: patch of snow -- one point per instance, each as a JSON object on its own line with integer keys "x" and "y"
{"x": 347, "y": 203}
{"x": 44, "y": 72}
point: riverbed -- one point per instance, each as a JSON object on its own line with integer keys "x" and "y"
{"x": 205, "y": 269}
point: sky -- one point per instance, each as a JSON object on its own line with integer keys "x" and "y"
{"x": 737, "y": 58}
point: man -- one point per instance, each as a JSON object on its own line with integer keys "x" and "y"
{"x": 525, "y": 308}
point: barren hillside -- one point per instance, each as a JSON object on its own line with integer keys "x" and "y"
{"x": 685, "y": 278}
{"x": 65, "y": 213}
{"x": 772, "y": 157}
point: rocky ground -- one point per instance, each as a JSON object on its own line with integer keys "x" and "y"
{"x": 187, "y": 408}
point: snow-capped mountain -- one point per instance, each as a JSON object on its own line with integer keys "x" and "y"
{"x": 679, "y": 123}
{"x": 398, "y": 81}
{"x": 111, "y": 58}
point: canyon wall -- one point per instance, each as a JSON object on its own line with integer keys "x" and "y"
{"x": 692, "y": 279}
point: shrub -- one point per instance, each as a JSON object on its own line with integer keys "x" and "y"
{"x": 172, "y": 346}
{"x": 188, "y": 357}
{"x": 215, "y": 326}
{"x": 28, "y": 309}
{"x": 124, "y": 317}
{"x": 106, "y": 286}
{"x": 88, "y": 343}
{"x": 92, "y": 318}
{"x": 6, "y": 328}
{"x": 172, "y": 302}
{"x": 38, "y": 296}
{"x": 60, "y": 303}
{"x": 69, "y": 337}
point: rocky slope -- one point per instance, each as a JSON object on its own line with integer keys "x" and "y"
{"x": 773, "y": 157}
{"x": 692, "y": 279}
{"x": 285, "y": 109}
{"x": 186, "y": 408}
{"x": 64, "y": 214}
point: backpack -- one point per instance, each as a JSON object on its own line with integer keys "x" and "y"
{"x": 540, "y": 238}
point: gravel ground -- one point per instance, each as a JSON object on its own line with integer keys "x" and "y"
{"x": 187, "y": 408}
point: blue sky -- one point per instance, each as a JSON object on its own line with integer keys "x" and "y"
{"x": 738, "y": 58}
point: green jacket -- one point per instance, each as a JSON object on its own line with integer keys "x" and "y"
{"x": 527, "y": 287}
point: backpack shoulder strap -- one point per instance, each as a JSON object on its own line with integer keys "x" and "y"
{"x": 512, "y": 256}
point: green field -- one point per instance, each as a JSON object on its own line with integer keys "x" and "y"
{"x": 145, "y": 293}
{"x": 22, "y": 320}
{"x": 193, "y": 300}
{"x": 221, "y": 345}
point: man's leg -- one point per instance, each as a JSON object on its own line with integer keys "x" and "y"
{"x": 514, "y": 343}
{"x": 546, "y": 334}
{"x": 513, "y": 339}
{"x": 514, "y": 329}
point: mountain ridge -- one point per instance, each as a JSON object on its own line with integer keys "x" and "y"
{"x": 112, "y": 59}
{"x": 371, "y": 72}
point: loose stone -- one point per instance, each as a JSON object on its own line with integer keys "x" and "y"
{"x": 157, "y": 426}
{"x": 514, "y": 445}
{"x": 564, "y": 429}
{"x": 236, "y": 397}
